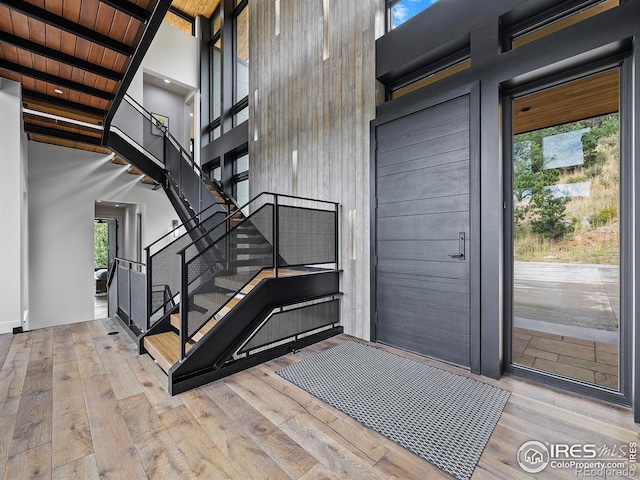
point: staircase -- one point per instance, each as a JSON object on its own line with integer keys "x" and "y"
{"x": 226, "y": 289}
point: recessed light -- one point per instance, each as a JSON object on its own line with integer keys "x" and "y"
{"x": 58, "y": 91}
{"x": 166, "y": 80}
{"x": 117, "y": 205}
{"x": 191, "y": 114}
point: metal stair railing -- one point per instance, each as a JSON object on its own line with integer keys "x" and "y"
{"x": 279, "y": 231}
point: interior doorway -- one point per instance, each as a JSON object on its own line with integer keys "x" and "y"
{"x": 105, "y": 247}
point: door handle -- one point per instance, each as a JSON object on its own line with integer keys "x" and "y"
{"x": 461, "y": 247}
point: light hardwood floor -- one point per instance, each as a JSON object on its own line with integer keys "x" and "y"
{"x": 77, "y": 403}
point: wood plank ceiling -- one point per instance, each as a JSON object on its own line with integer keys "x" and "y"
{"x": 71, "y": 57}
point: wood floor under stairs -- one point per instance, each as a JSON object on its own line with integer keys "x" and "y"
{"x": 165, "y": 347}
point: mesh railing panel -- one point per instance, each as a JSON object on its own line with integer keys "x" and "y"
{"x": 139, "y": 299}
{"x": 216, "y": 272}
{"x": 306, "y": 236}
{"x": 287, "y": 324}
{"x": 165, "y": 264}
{"x": 123, "y": 289}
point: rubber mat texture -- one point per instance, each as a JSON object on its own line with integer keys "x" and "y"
{"x": 442, "y": 417}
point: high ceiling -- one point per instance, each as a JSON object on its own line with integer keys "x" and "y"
{"x": 73, "y": 58}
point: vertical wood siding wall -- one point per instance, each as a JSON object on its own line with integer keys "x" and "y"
{"x": 318, "y": 103}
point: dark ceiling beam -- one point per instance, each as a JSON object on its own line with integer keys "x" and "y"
{"x": 61, "y": 57}
{"x": 53, "y": 79}
{"x": 62, "y": 134}
{"x": 179, "y": 13}
{"x": 129, "y": 8}
{"x": 153, "y": 25}
{"x": 62, "y": 23}
{"x": 61, "y": 102}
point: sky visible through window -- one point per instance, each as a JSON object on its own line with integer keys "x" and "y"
{"x": 405, "y": 9}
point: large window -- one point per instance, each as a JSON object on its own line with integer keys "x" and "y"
{"x": 229, "y": 70}
{"x": 400, "y": 11}
{"x": 566, "y": 223}
{"x": 240, "y": 179}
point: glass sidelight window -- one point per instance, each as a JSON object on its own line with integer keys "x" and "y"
{"x": 565, "y": 216}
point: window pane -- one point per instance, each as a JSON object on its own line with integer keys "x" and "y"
{"x": 566, "y": 224}
{"x": 215, "y": 133}
{"x": 242, "y": 56}
{"x": 241, "y": 164}
{"x": 241, "y": 116}
{"x": 520, "y": 39}
{"x": 242, "y": 192}
{"x": 405, "y": 9}
{"x": 216, "y": 78}
{"x": 216, "y": 173}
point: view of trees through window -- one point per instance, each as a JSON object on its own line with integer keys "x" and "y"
{"x": 565, "y": 192}
{"x": 100, "y": 244}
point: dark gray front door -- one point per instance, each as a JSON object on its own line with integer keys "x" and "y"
{"x": 422, "y": 188}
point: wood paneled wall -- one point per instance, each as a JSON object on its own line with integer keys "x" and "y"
{"x": 316, "y": 98}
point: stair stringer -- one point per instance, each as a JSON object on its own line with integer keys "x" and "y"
{"x": 205, "y": 361}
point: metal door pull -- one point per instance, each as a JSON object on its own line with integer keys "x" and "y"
{"x": 461, "y": 247}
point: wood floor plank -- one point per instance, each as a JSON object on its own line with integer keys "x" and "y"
{"x": 82, "y": 469}
{"x": 261, "y": 396}
{"x": 290, "y": 456}
{"x": 71, "y": 439}
{"x": 112, "y": 443}
{"x": 201, "y": 454}
{"x": 67, "y": 388}
{"x": 232, "y": 442}
{"x": 13, "y": 374}
{"x": 62, "y": 343}
{"x": 159, "y": 455}
{"x": 6, "y": 340}
{"x": 88, "y": 359}
{"x": 330, "y": 453}
{"x": 6, "y": 432}
{"x": 117, "y": 369}
{"x": 32, "y": 464}
{"x": 153, "y": 382}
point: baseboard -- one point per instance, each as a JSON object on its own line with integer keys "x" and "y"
{"x": 8, "y": 327}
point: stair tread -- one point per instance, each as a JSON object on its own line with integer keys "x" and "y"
{"x": 164, "y": 348}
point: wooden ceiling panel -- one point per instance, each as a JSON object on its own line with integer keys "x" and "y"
{"x": 71, "y": 10}
{"x": 20, "y": 24}
{"x": 53, "y": 6}
{"x": 120, "y": 26}
{"x": 68, "y": 143}
{"x": 178, "y": 22}
{"x": 88, "y": 13}
{"x": 585, "y": 98}
{"x": 85, "y": 56}
{"x": 5, "y": 19}
{"x": 193, "y": 8}
{"x": 53, "y": 37}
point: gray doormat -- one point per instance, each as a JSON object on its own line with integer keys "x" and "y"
{"x": 442, "y": 417}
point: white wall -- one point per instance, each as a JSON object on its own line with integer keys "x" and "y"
{"x": 170, "y": 104}
{"x": 173, "y": 54}
{"x": 64, "y": 185}
{"x": 13, "y": 209}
